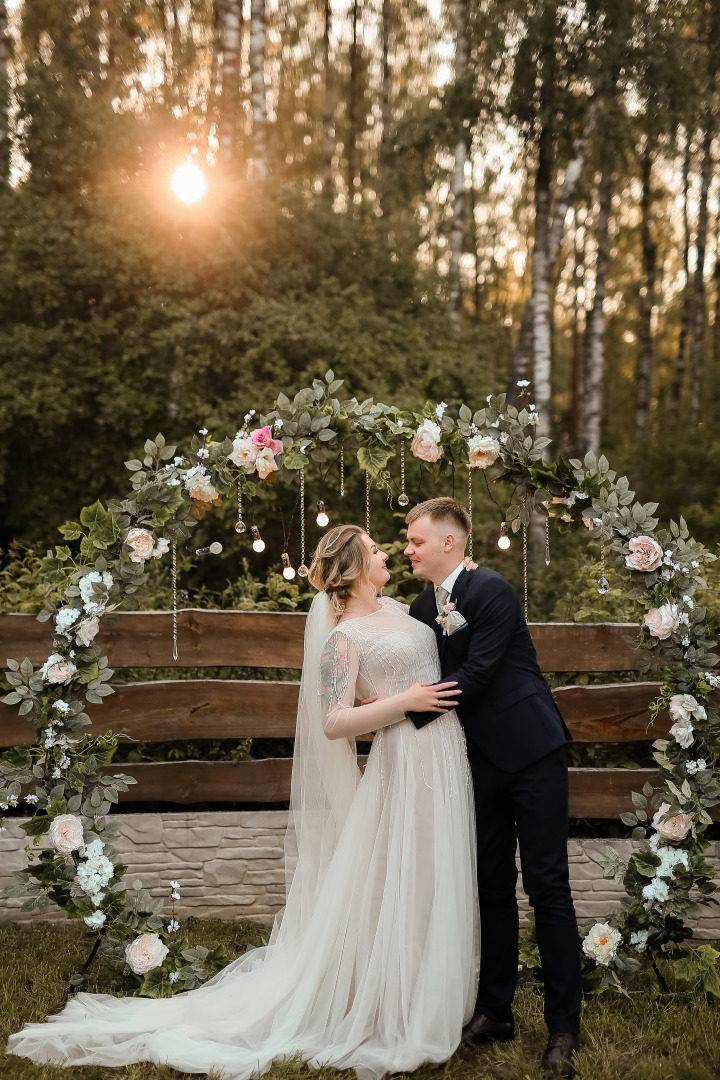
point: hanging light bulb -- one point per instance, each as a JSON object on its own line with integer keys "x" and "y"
{"x": 288, "y": 572}
{"x": 322, "y": 518}
{"x": 504, "y": 539}
{"x": 258, "y": 542}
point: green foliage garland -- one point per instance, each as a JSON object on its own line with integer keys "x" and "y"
{"x": 102, "y": 566}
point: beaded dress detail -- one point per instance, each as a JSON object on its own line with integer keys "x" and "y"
{"x": 379, "y": 972}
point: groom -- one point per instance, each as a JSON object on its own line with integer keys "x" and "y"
{"x": 516, "y": 746}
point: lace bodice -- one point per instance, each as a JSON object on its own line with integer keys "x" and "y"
{"x": 382, "y": 653}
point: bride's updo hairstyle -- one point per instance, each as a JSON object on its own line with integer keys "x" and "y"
{"x": 341, "y": 559}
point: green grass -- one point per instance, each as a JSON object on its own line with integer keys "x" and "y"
{"x": 645, "y": 1038}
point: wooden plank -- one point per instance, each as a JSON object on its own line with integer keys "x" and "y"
{"x": 205, "y": 639}
{"x": 612, "y": 712}
{"x": 585, "y": 646}
{"x": 236, "y": 709}
{"x": 274, "y": 639}
{"x": 183, "y": 709}
{"x": 594, "y": 793}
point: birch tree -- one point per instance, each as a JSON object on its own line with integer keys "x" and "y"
{"x": 457, "y": 225}
{"x": 258, "y": 90}
{"x": 594, "y": 358}
{"x": 228, "y": 35}
{"x": 4, "y": 95}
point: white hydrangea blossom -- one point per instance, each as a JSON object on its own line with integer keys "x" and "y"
{"x": 87, "y": 584}
{"x": 65, "y": 618}
{"x": 638, "y": 940}
{"x": 656, "y": 892}
{"x": 94, "y": 872}
{"x": 693, "y": 767}
{"x": 95, "y": 920}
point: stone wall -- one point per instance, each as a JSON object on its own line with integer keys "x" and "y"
{"x": 230, "y": 865}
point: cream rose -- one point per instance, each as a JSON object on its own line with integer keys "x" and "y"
{"x": 66, "y": 833}
{"x": 601, "y": 943}
{"x": 425, "y": 444}
{"x": 686, "y": 707}
{"x": 87, "y": 631}
{"x": 682, "y": 733}
{"x": 265, "y": 463}
{"x": 244, "y": 452}
{"x": 675, "y": 828}
{"x": 483, "y": 450}
{"x": 645, "y": 554}
{"x": 142, "y": 543}
{"x": 663, "y": 620}
{"x": 57, "y": 670}
{"x": 145, "y": 953}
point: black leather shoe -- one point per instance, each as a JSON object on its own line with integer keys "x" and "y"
{"x": 481, "y": 1029}
{"x": 557, "y": 1059}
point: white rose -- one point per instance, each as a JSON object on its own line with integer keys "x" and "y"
{"x": 601, "y": 943}
{"x": 142, "y": 543}
{"x": 425, "y": 444}
{"x": 162, "y": 546}
{"x": 57, "y": 670}
{"x": 686, "y": 707}
{"x": 483, "y": 450}
{"x": 265, "y": 463}
{"x": 675, "y": 828}
{"x": 244, "y": 453}
{"x": 145, "y": 953}
{"x": 663, "y": 620}
{"x": 66, "y": 833}
{"x": 682, "y": 733}
{"x": 87, "y": 631}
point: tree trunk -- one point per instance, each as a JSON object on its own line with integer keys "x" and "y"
{"x": 698, "y": 308}
{"x": 716, "y": 283}
{"x": 541, "y": 287}
{"x": 476, "y": 245}
{"x": 679, "y": 377}
{"x": 328, "y": 130}
{"x": 4, "y": 96}
{"x": 645, "y": 356}
{"x": 257, "y": 82}
{"x": 231, "y": 28}
{"x": 524, "y": 347}
{"x": 386, "y": 115}
{"x": 353, "y": 101}
{"x": 577, "y": 367}
{"x": 595, "y": 329}
{"x": 218, "y": 30}
{"x": 457, "y": 226}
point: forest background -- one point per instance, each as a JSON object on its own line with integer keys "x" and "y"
{"x": 436, "y": 200}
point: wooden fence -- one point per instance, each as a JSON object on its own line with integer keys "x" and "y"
{"x": 177, "y": 709}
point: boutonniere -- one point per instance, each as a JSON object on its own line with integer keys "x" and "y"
{"x": 450, "y": 619}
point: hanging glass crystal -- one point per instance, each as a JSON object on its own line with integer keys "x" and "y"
{"x": 342, "y": 471}
{"x": 302, "y": 568}
{"x": 240, "y": 526}
{"x": 547, "y": 541}
{"x": 470, "y": 509}
{"x": 603, "y": 584}
{"x": 403, "y": 500}
{"x": 174, "y": 603}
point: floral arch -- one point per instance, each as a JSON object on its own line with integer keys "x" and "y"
{"x": 102, "y": 564}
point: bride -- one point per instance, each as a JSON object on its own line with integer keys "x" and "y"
{"x": 373, "y": 963}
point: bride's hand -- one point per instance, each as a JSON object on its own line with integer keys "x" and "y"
{"x": 468, "y": 564}
{"x": 431, "y": 697}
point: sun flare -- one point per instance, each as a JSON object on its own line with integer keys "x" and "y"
{"x": 188, "y": 183}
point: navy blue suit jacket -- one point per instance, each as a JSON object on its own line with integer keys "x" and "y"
{"x": 506, "y": 707}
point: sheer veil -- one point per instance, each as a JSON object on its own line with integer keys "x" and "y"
{"x": 325, "y": 776}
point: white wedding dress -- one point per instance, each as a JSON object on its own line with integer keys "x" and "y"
{"x": 373, "y": 963}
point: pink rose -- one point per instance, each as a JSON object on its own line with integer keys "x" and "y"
{"x": 145, "y": 953}
{"x": 686, "y": 707}
{"x": 425, "y": 445}
{"x": 142, "y": 543}
{"x": 66, "y": 833}
{"x": 57, "y": 670}
{"x": 265, "y": 463}
{"x": 645, "y": 554}
{"x": 263, "y": 437}
{"x": 663, "y": 620}
{"x": 675, "y": 828}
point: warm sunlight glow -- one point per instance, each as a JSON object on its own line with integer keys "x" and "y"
{"x": 188, "y": 183}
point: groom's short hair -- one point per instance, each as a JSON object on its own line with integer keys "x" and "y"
{"x": 443, "y": 510}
